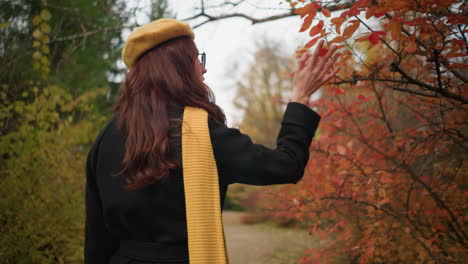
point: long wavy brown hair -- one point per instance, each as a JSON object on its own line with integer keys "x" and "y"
{"x": 161, "y": 76}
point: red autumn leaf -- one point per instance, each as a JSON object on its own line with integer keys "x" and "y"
{"x": 380, "y": 14}
{"x": 386, "y": 180}
{"x": 374, "y": 36}
{"x": 365, "y": 99}
{"x": 323, "y": 51}
{"x": 338, "y": 91}
{"x": 316, "y": 29}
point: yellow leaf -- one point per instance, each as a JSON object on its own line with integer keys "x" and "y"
{"x": 36, "y": 20}
{"x": 44, "y": 38}
{"x": 44, "y": 60}
{"x": 45, "y": 14}
{"x": 37, "y": 55}
{"x": 4, "y": 24}
{"x": 45, "y": 49}
{"x": 37, "y": 34}
{"x": 45, "y": 28}
{"x": 36, "y": 44}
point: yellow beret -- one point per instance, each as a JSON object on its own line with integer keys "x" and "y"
{"x": 147, "y": 36}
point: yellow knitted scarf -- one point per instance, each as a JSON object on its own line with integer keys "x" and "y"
{"x": 206, "y": 240}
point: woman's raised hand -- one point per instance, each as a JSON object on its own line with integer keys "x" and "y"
{"x": 312, "y": 72}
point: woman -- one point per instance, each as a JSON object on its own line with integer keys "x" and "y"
{"x": 135, "y": 200}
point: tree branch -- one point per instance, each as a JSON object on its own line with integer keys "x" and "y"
{"x": 88, "y": 33}
{"x": 427, "y": 86}
{"x": 254, "y": 20}
{"x": 388, "y": 212}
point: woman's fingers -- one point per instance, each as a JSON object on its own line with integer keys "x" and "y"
{"x": 330, "y": 75}
{"x": 312, "y": 61}
{"x": 329, "y": 64}
{"x": 302, "y": 61}
{"x": 329, "y": 53}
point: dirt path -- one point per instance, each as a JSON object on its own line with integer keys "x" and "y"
{"x": 255, "y": 244}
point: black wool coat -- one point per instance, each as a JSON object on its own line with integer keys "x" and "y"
{"x": 149, "y": 225}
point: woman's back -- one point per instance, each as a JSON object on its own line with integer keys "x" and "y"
{"x": 155, "y": 214}
{"x": 135, "y": 191}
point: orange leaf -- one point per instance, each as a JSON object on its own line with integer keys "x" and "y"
{"x": 395, "y": 29}
{"x": 316, "y": 29}
{"x": 337, "y": 21}
{"x": 307, "y": 23}
{"x": 411, "y": 48}
{"x": 312, "y": 42}
{"x": 325, "y": 12}
{"x": 349, "y": 31}
{"x": 338, "y": 39}
{"x": 308, "y": 9}
{"x": 362, "y": 39}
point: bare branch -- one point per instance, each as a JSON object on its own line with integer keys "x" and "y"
{"x": 427, "y": 86}
{"x": 252, "y": 19}
{"x": 85, "y": 34}
{"x": 390, "y": 213}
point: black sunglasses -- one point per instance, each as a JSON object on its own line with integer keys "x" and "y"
{"x": 202, "y": 58}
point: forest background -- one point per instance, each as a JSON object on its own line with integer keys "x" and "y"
{"x": 386, "y": 180}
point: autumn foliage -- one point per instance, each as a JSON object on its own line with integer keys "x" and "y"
{"x": 386, "y": 181}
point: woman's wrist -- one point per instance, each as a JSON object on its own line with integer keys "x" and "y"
{"x": 302, "y": 100}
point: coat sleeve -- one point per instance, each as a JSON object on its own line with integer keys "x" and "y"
{"x": 100, "y": 244}
{"x": 239, "y": 160}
